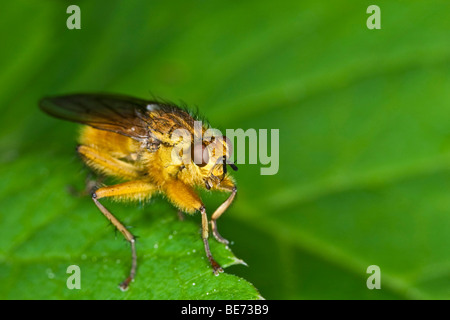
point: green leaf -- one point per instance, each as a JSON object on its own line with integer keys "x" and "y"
{"x": 364, "y": 157}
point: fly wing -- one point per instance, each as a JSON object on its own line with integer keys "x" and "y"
{"x": 116, "y": 113}
{"x": 150, "y": 122}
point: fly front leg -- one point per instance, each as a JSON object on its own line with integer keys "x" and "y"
{"x": 205, "y": 234}
{"x": 226, "y": 185}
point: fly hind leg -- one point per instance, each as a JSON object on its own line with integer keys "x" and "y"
{"x": 102, "y": 162}
{"x": 92, "y": 183}
{"x": 132, "y": 190}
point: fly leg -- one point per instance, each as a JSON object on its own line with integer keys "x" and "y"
{"x": 91, "y": 184}
{"x": 205, "y": 234}
{"x": 227, "y": 185}
{"x": 184, "y": 197}
{"x": 101, "y": 161}
{"x": 132, "y": 190}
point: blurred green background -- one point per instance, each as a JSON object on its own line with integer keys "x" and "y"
{"x": 364, "y": 120}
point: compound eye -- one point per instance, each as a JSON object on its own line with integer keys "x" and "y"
{"x": 200, "y": 154}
